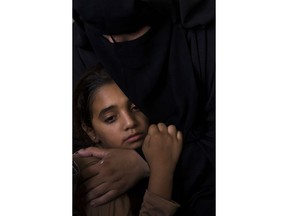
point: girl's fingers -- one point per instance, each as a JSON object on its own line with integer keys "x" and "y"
{"x": 172, "y": 130}
{"x": 153, "y": 129}
{"x": 162, "y": 127}
{"x": 179, "y": 136}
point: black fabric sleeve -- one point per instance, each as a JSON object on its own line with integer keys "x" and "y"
{"x": 202, "y": 48}
{"x": 198, "y": 190}
{"x": 189, "y": 13}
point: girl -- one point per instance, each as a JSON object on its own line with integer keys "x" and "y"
{"x": 105, "y": 117}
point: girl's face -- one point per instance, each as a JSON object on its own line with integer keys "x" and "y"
{"x": 116, "y": 122}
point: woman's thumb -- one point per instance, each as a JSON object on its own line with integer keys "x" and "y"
{"x": 92, "y": 152}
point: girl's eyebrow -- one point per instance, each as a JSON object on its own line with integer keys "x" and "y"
{"x": 103, "y": 111}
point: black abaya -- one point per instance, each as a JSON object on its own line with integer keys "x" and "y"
{"x": 169, "y": 73}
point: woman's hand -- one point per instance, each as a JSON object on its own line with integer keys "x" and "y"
{"x": 117, "y": 171}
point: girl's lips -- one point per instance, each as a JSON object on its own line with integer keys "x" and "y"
{"x": 134, "y": 138}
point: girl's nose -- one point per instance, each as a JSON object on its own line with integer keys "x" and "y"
{"x": 129, "y": 121}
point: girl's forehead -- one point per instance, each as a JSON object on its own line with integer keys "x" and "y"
{"x": 109, "y": 91}
{"x": 108, "y": 95}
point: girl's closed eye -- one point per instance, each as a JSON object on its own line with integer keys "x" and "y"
{"x": 110, "y": 119}
{"x": 134, "y": 108}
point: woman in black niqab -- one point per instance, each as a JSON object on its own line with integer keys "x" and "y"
{"x": 169, "y": 73}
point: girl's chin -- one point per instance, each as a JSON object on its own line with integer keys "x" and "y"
{"x": 133, "y": 145}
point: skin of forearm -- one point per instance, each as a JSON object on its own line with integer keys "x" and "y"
{"x": 144, "y": 172}
{"x": 161, "y": 183}
{"x": 143, "y": 167}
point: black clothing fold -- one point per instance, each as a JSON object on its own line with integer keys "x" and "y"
{"x": 169, "y": 73}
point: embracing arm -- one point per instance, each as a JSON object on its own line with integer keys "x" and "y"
{"x": 117, "y": 171}
{"x": 161, "y": 148}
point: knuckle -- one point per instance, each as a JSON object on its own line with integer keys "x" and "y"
{"x": 172, "y": 127}
{"x": 91, "y": 195}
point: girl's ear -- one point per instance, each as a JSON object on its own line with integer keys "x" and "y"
{"x": 91, "y": 133}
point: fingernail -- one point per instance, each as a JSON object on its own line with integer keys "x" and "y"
{"x": 80, "y": 151}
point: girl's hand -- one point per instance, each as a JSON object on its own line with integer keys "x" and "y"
{"x": 162, "y": 147}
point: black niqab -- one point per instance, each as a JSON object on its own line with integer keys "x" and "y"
{"x": 169, "y": 73}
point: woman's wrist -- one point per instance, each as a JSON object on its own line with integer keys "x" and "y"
{"x": 143, "y": 168}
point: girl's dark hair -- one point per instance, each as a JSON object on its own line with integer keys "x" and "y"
{"x": 83, "y": 94}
